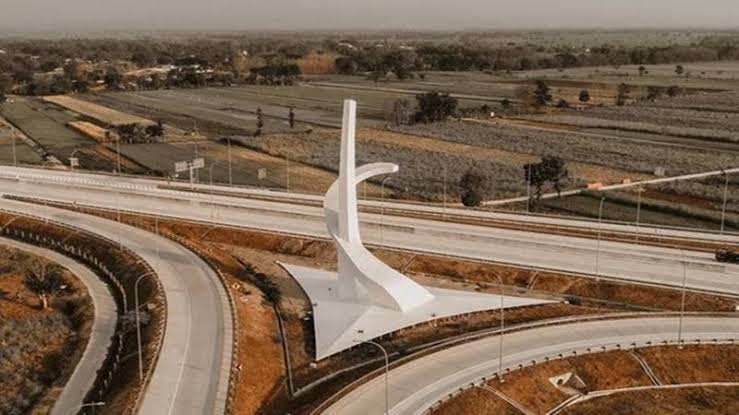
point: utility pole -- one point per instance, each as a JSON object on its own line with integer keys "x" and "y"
{"x": 640, "y": 190}
{"x": 118, "y": 155}
{"x": 600, "y": 225}
{"x": 682, "y": 301}
{"x": 382, "y": 212}
{"x": 726, "y": 199}
{"x": 444, "y": 196}
{"x": 15, "y": 158}
{"x": 287, "y": 179}
{"x": 230, "y": 171}
{"x": 502, "y": 330}
{"x": 528, "y": 189}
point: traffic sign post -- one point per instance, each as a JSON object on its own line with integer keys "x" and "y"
{"x": 190, "y": 166}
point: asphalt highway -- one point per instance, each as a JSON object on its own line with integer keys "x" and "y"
{"x": 192, "y": 372}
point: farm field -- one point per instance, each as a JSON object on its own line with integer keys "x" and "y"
{"x": 46, "y": 125}
{"x": 24, "y": 153}
{"x": 161, "y": 157}
{"x": 188, "y": 111}
{"x": 102, "y": 114}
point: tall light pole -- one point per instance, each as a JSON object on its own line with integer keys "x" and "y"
{"x": 600, "y": 229}
{"x": 230, "y": 171}
{"x": 138, "y": 322}
{"x": 502, "y": 330}
{"x": 15, "y": 158}
{"x": 387, "y": 371}
{"x": 444, "y": 195}
{"x": 85, "y": 405}
{"x": 287, "y": 179}
{"x": 210, "y": 180}
{"x": 640, "y": 190}
{"x": 72, "y": 160}
{"x": 382, "y": 211}
{"x": 682, "y": 301}
{"x": 726, "y": 199}
{"x": 528, "y": 189}
{"x": 118, "y": 156}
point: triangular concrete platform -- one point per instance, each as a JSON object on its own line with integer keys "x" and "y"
{"x": 339, "y": 325}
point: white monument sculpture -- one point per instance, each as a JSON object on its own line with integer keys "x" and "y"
{"x": 366, "y": 298}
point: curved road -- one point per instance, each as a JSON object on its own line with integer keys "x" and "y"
{"x": 419, "y": 384}
{"x": 192, "y": 372}
{"x": 101, "y": 333}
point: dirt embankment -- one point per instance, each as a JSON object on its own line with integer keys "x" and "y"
{"x": 533, "y": 388}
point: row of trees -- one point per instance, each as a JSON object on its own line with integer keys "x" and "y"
{"x": 550, "y": 169}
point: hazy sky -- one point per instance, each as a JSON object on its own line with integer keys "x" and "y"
{"x": 81, "y": 15}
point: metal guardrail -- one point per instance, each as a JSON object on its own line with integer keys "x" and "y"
{"x": 112, "y": 361}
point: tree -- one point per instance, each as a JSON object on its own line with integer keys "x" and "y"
{"x": 623, "y": 94}
{"x": 472, "y": 189}
{"x": 584, "y": 96}
{"x": 6, "y": 83}
{"x": 506, "y": 103}
{"x": 562, "y": 103}
{"x": 554, "y": 171}
{"x": 654, "y": 92}
{"x": 291, "y": 118}
{"x": 642, "y": 70}
{"x": 542, "y": 93}
{"x": 44, "y": 284}
{"x": 346, "y": 65}
{"x": 400, "y": 62}
{"x": 113, "y": 78}
{"x": 399, "y": 112}
{"x": 155, "y": 130}
{"x": 673, "y": 91}
{"x": 435, "y": 107}
{"x": 260, "y": 122}
{"x": 550, "y": 169}
{"x": 679, "y": 70}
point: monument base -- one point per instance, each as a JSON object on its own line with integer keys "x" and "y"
{"x": 340, "y": 324}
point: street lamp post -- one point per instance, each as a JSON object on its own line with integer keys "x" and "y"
{"x": 118, "y": 156}
{"x": 230, "y": 171}
{"x": 85, "y": 405}
{"x": 600, "y": 226}
{"x": 210, "y": 180}
{"x": 638, "y": 211}
{"x": 15, "y": 158}
{"x": 528, "y": 189}
{"x": 382, "y": 211}
{"x": 287, "y": 179}
{"x": 72, "y": 160}
{"x": 138, "y": 321}
{"x": 387, "y": 371}
{"x": 682, "y": 301}
{"x": 502, "y": 331}
{"x": 444, "y": 196}
{"x": 726, "y": 199}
